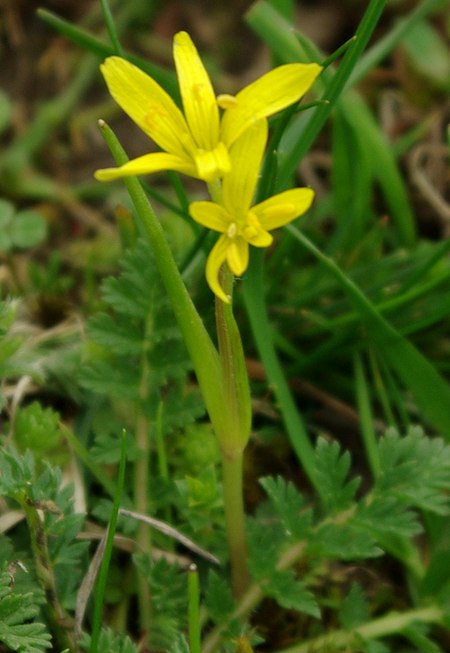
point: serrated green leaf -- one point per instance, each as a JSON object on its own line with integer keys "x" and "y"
{"x": 120, "y": 335}
{"x": 110, "y": 642}
{"x": 136, "y": 291}
{"x": 218, "y": 599}
{"x": 108, "y": 445}
{"x": 289, "y": 505}
{"x": 290, "y": 593}
{"x": 385, "y": 514}
{"x": 416, "y": 469}
{"x": 169, "y": 599}
{"x": 343, "y": 541}
{"x": 15, "y": 610}
{"x": 25, "y": 638}
{"x": 111, "y": 380}
{"x": 17, "y": 471}
{"x": 354, "y": 610}
{"x": 180, "y": 645}
{"x": 265, "y": 542}
{"x": 331, "y": 470}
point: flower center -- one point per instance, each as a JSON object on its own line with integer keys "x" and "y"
{"x": 232, "y": 230}
{"x": 212, "y": 164}
{"x": 246, "y": 226}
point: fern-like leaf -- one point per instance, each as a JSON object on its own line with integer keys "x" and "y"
{"x": 331, "y": 470}
{"x": 219, "y": 600}
{"x": 354, "y": 609}
{"x": 15, "y": 611}
{"x": 290, "y": 507}
{"x": 290, "y": 593}
{"x": 110, "y": 642}
{"x": 416, "y": 469}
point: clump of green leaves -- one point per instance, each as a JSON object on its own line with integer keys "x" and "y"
{"x": 19, "y": 630}
{"x": 38, "y": 428}
{"x": 52, "y": 526}
{"x": 289, "y": 535}
{"x": 136, "y": 353}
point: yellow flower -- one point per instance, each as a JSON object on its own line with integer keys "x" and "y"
{"x": 240, "y": 223}
{"x": 196, "y": 142}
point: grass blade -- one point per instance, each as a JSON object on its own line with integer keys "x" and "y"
{"x": 104, "y": 567}
{"x": 431, "y": 391}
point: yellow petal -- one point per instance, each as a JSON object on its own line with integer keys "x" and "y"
{"x": 210, "y": 215}
{"x": 147, "y": 164}
{"x": 283, "y": 208}
{"x": 255, "y": 234}
{"x": 267, "y": 95}
{"x": 237, "y": 255}
{"x": 151, "y": 108}
{"x": 212, "y": 164}
{"x": 245, "y": 156}
{"x": 216, "y": 259}
{"x": 199, "y": 100}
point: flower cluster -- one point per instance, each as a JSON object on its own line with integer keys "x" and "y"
{"x": 216, "y": 139}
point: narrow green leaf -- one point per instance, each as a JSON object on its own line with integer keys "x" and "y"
{"x": 102, "y": 50}
{"x": 104, "y": 567}
{"x": 431, "y": 391}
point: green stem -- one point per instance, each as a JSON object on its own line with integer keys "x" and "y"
{"x": 104, "y": 567}
{"x": 194, "y": 610}
{"x": 59, "y": 622}
{"x": 235, "y": 522}
{"x": 111, "y": 27}
{"x": 253, "y": 595}
{"x": 392, "y": 623}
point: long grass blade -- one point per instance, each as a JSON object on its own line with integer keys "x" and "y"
{"x": 431, "y": 391}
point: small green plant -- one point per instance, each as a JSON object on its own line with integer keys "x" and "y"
{"x": 20, "y": 229}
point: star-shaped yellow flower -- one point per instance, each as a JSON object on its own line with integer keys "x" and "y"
{"x": 196, "y": 141}
{"x": 240, "y": 223}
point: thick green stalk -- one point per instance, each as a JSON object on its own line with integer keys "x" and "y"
{"x": 235, "y": 522}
